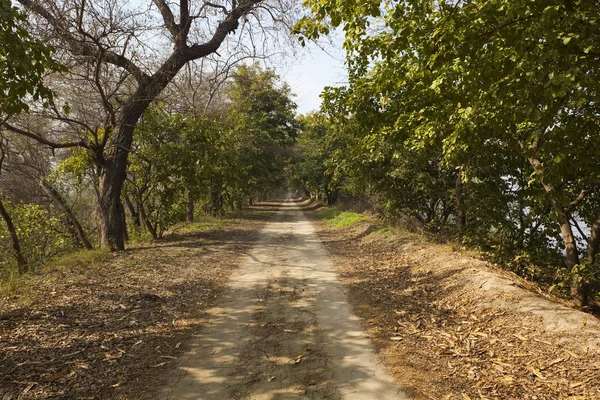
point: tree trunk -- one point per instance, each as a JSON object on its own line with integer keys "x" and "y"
{"x": 125, "y": 233}
{"x": 461, "y": 216}
{"x": 58, "y": 200}
{"x": 594, "y": 243}
{"x": 135, "y": 216}
{"x": 566, "y": 231}
{"x": 190, "y": 209}
{"x": 147, "y": 222}
{"x": 331, "y": 196}
{"x": 113, "y": 164}
{"x": 579, "y": 290}
{"x": 113, "y": 170}
{"x": 21, "y": 262}
{"x": 584, "y": 289}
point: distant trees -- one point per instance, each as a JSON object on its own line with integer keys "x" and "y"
{"x": 478, "y": 117}
{"x": 313, "y": 166}
{"x": 221, "y": 160}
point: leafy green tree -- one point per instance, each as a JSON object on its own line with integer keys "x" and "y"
{"x": 23, "y": 62}
{"x": 107, "y": 45}
{"x": 262, "y": 115}
{"x": 313, "y": 150}
{"x": 157, "y": 166}
{"x": 509, "y": 84}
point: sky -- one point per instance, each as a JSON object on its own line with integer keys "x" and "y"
{"x": 312, "y": 70}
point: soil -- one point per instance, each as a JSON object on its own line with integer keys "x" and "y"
{"x": 111, "y": 330}
{"x": 263, "y": 308}
{"x": 449, "y": 326}
{"x": 283, "y": 329}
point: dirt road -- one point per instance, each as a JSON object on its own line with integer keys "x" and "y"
{"x": 283, "y": 329}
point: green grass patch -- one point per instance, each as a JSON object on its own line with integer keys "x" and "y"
{"x": 200, "y": 226}
{"x": 328, "y": 213}
{"x": 83, "y": 258}
{"x": 257, "y": 214}
{"x": 54, "y": 271}
{"x": 345, "y": 219}
{"x": 382, "y": 231}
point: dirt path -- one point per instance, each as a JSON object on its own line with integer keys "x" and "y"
{"x": 102, "y": 326}
{"x": 283, "y": 329}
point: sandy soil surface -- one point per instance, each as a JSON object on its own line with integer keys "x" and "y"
{"x": 254, "y": 309}
{"x": 283, "y": 329}
{"x": 451, "y": 327}
{"x": 113, "y": 329}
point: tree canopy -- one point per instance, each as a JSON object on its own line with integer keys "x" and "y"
{"x": 477, "y": 112}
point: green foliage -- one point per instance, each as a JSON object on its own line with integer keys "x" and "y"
{"x": 23, "y": 62}
{"x": 41, "y": 235}
{"x": 201, "y": 226}
{"x": 312, "y": 168}
{"x": 74, "y": 169}
{"x": 218, "y": 160}
{"x": 346, "y": 219}
{"x": 504, "y": 91}
{"x": 328, "y": 213}
{"x": 263, "y": 124}
{"x": 160, "y": 162}
{"x": 340, "y": 219}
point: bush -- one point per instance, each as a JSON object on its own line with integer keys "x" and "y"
{"x": 41, "y": 236}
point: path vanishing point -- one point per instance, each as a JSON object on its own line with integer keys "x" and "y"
{"x": 283, "y": 328}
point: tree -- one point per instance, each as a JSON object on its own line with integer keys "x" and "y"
{"x": 158, "y": 167}
{"x": 23, "y": 62}
{"x": 512, "y": 84}
{"x": 262, "y": 114}
{"x": 110, "y": 40}
{"x": 16, "y": 245}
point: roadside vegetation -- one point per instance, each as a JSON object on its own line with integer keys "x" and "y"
{"x": 470, "y": 120}
{"x": 340, "y": 219}
{"x": 113, "y": 325}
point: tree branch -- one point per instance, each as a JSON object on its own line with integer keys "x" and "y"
{"x": 226, "y": 26}
{"x": 44, "y": 141}
{"x": 168, "y": 17}
{"x": 185, "y": 22}
{"x": 213, "y": 5}
{"x": 578, "y": 199}
{"x": 82, "y": 48}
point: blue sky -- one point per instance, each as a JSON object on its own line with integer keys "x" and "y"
{"x": 312, "y": 70}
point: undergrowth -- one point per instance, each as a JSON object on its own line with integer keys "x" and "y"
{"x": 340, "y": 219}
{"x": 199, "y": 226}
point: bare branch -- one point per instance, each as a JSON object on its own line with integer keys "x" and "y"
{"x": 578, "y": 199}
{"x": 583, "y": 235}
{"x": 168, "y": 17}
{"x": 84, "y": 49}
{"x": 213, "y": 5}
{"x": 45, "y": 141}
{"x": 225, "y": 27}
